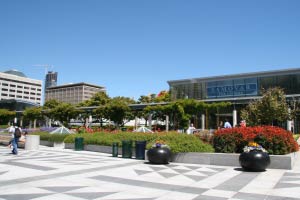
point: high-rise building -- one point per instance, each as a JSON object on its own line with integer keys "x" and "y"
{"x": 72, "y": 93}
{"x": 15, "y": 85}
{"x": 51, "y": 79}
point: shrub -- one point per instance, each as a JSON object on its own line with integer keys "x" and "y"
{"x": 274, "y": 139}
{"x": 177, "y": 142}
{"x": 50, "y": 137}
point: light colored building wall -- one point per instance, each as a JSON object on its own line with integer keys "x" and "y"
{"x": 72, "y": 93}
{"x": 17, "y": 87}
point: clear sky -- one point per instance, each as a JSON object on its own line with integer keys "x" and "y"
{"x": 133, "y": 47}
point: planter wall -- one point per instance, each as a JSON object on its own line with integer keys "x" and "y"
{"x": 224, "y": 159}
{"x": 52, "y": 144}
{"x": 231, "y": 159}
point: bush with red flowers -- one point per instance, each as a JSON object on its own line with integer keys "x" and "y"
{"x": 275, "y": 140}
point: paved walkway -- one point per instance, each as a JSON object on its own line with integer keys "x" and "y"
{"x": 61, "y": 174}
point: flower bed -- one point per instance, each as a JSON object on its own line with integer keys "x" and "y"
{"x": 275, "y": 140}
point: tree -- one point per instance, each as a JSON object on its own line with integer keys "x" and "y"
{"x": 271, "y": 109}
{"x": 100, "y": 98}
{"x": 163, "y": 96}
{"x": 33, "y": 114}
{"x": 117, "y": 110}
{"x": 64, "y": 112}
{"x": 6, "y": 116}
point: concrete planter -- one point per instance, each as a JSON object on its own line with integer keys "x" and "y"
{"x": 224, "y": 159}
{"x": 52, "y": 144}
{"x": 232, "y": 159}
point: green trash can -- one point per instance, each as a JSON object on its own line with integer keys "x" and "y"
{"x": 140, "y": 147}
{"x": 123, "y": 129}
{"x": 126, "y": 148}
{"x": 115, "y": 149}
{"x": 79, "y": 144}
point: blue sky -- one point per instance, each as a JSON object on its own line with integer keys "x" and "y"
{"x": 133, "y": 47}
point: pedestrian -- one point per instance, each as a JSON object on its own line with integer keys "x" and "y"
{"x": 191, "y": 129}
{"x": 17, "y": 135}
{"x": 227, "y": 124}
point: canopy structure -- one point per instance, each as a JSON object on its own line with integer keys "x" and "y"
{"x": 143, "y": 129}
{"x": 62, "y": 130}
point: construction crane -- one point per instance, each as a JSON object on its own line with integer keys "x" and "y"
{"x": 45, "y": 66}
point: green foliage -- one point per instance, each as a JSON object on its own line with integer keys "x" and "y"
{"x": 50, "y": 137}
{"x": 33, "y": 113}
{"x": 100, "y": 98}
{"x": 63, "y": 112}
{"x": 6, "y": 116}
{"x": 271, "y": 109}
{"x": 177, "y": 142}
{"x": 117, "y": 110}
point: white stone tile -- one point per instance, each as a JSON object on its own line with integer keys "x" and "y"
{"x": 177, "y": 196}
{"x": 217, "y": 179}
{"x": 264, "y": 182}
{"x": 219, "y": 193}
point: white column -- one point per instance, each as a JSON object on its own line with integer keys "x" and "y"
{"x": 135, "y": 123}
{"x": 150, "y": 121}
{"x": 234, "y": 118}
{"x": 167, "y": 123}
{"x": 202, "y": 121}
{"x": 289, "y": 122}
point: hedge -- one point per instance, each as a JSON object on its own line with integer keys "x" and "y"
{"x": 176, "y": 141}
{"x": 275, "y": 140}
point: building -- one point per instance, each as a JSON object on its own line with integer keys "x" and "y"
{"x": 51, "y": 79}
{"x": 15, "y": 85}
{"x": 72, "y": 93}
{"x": 239, "y": 89}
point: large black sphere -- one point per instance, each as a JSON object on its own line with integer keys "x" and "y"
{"x": 254, "y": 160}
{"x": 159, "y": 155}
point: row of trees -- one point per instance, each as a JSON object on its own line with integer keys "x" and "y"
{"x": 117, "y": 109}
{"x": 271, "y": 109}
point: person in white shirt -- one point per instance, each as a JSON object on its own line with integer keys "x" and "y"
{"x": 191, "y": 129}
{"x": 227, "y": 124}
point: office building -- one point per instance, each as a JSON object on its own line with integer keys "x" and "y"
{"x": 237, "y": 87}
{"x": 51, "y": 79}
{"x": 15, "y": 85}
{"x": 72, "y": 93}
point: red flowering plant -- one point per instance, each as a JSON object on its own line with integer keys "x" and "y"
{"x": 274, "y": 139}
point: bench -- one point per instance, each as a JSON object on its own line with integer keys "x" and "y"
{"x": 5, "y": 138}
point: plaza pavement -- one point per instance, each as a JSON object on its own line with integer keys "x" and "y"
{"x": 63, "y": 174}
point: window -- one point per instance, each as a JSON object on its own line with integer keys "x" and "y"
{"x": 3, "y": 89}
{"x": 19, "y": 86}
{"x": 4, "y": 84}
{"x": 12, "y": 90}
{"x": 11, "y": 85}
{"x": 11, "y": 95}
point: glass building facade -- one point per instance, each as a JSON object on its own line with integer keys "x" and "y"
{"x": 235, "y": 87}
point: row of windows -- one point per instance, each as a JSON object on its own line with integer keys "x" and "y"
{"x": 20, "y": 92}
{"x": 22, "y": 82}
{"x": 235, "y": 87}
{"x": 19, "y": 86}
{"x": 18, "y": 96}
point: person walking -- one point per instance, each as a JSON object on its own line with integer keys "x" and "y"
{"x": 17, "y": 135}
